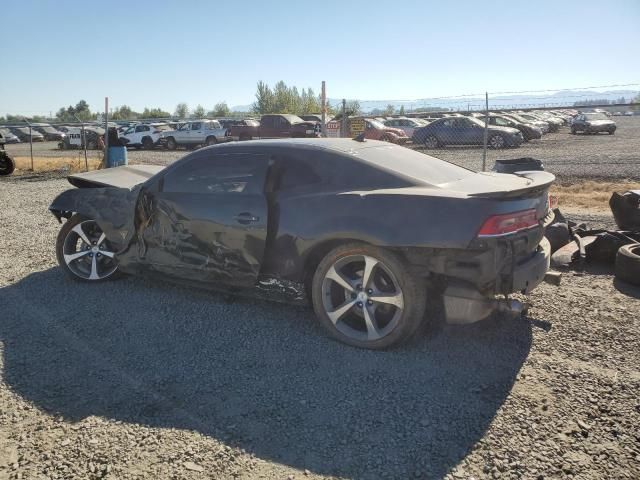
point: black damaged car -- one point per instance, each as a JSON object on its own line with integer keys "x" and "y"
{"x": 370, "y": 233}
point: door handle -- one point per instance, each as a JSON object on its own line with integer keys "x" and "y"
{"x": 245, "y": 218}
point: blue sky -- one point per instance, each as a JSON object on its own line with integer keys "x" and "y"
{"x": 158, "y": 53}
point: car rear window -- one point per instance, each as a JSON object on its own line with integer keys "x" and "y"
{"x": 407, "y": 163}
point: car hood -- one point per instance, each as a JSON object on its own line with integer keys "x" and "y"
{"x": 397, "y": 131}
{"x": 597, "y": 123}
{"x": 121, "y": 177}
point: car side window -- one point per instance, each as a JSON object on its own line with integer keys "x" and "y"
{"x": 267, "y": 122}
{"x": 449, "y": 123}
{"x": 218, "y": 174}
{"x": 196, "y": 125}
{"x": 139, "y": 128}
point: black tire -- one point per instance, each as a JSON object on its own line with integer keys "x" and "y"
{"x": 211, "y": 141}
{"x": 171, "y": 143}
{"x": 628, "y": 264}
{"x": 394, "y": 323}
{"x": 497, "y": 141}
{"x": 611, "y": 132}
{"x": 573, "y": 130}
{"x": 81, "y": 268}
{"x": 7, "y": 165}
{"x": 431, "y": 142}
{"x": 147, "y": 143}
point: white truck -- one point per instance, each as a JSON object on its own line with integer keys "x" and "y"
{"x": 196, "y": 132}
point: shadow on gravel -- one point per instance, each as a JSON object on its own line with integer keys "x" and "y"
{"x": 256, "y": 375}
{"x": 626, "y": 288}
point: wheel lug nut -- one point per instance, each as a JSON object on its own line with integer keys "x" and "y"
{"x": 359, "y": 287}
{"x": 370, "y": 302}
{"x": 369, "y": 291}
{"x": 360, "y": 304}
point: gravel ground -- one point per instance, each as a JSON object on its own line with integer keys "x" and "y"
{"x": 571, "y": 157}
{"x": 133, "y": 379}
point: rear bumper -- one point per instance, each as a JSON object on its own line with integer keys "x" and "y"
{"x": 529, "y": 274}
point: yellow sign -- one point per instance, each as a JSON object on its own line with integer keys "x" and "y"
{"x": 357, "y": 126}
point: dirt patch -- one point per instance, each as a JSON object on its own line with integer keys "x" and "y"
{"x": 590, "y": 194}
{"x": 71, "y": 163}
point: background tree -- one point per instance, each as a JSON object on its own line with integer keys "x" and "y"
{"x": 182, "y": 110}
{"x": 198, "y": 112}
{"x": 124, "y": 112}
{"x": 264, "y": 99}
{"x": 220, "y": 109}
{"x": 401, "y": 111}
{"x": 389, "y": 110}
{"x": 154, "y": 113}
{"x": 636, "y": 100}
{"x": 81, "y": 110}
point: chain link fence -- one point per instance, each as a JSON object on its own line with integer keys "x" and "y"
{"x": 574, "y": 133}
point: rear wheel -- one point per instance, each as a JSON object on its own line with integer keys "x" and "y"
{"x": 497, "y": 141}
{"x": 611, "y": 132}
{"x": 365, "y": 297}
{"x": 84, "y": 252}
{"x": 147, "y": 143}
{"x": 171, "y": 143}
{"x": 211, "y": 141}
{"x": 573, "y": 130}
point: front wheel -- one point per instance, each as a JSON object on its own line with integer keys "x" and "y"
{"x": 497, "y": 141}
{"x": 365, "y": 297}
{"x": 171, "y": 143}
{"x": 83, "y": 251}
{"x": 431, "y": 142}
{"x": 611, "y": 132}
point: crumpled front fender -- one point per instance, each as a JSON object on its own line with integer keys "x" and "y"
{"x": 112, "y": 208}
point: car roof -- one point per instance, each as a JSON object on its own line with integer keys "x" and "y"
{"x": 341, "y": 145}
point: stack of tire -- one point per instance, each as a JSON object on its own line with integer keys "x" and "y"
{"x": 628, "y": 263}
{"x": 7, "y": 164}
{"x": 626, "y": 211}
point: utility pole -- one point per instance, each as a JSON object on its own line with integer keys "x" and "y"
{"x": 106, "y": 131}
{"x": 486, "y": 132}
{"x": 323, "y": 100}
{"x": 343, "y": 123}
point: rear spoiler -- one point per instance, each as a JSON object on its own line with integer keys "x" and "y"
{"x": 540, "y": 181}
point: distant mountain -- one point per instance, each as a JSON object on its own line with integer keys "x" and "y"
{"x": 564, "y": 98}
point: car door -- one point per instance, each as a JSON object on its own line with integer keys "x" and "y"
{"x": 207, "y": 221}
{"x": 283, "y": 127}
{"x": 267, "y": 126}
{"x": 196, "y": 133}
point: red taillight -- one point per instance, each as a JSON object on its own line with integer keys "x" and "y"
{"x": 497, "y": 225}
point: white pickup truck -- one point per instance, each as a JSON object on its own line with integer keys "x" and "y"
{"x": 196, "y": 132}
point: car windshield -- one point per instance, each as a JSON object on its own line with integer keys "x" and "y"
{"x": 408, "y": 163}
{"x": 376, "y": 124}
{"x": 293, "y": 119}
{"x": 596, "y": 116}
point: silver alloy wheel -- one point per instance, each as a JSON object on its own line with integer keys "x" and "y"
{"x": 431, "y": 142}
{"x": 87, "y": 253}
{"x": 362, "y": 297}
{"x": 497, "y": 141}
